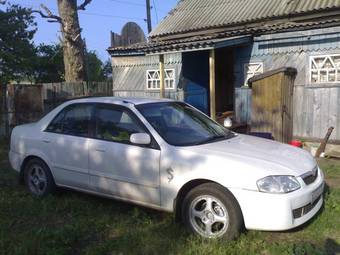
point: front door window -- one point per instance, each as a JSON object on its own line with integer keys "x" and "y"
{"x": 115, "y": 124}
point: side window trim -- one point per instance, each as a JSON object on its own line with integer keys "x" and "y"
{"x": 64, "y": 111}
{"x": 153, "y": 145}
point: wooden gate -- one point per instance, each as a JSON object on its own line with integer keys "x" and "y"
{"x": 25, "y": 103}
{"x": 272, "y": 103}
{"x": 2, "y": 111}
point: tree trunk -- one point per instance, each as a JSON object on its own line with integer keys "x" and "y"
{"x": 73, "y": 44}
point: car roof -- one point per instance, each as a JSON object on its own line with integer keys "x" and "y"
{"x": 119, "y": 100}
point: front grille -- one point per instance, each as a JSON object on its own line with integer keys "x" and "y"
{"x": 310, "y": 177}
{"x": 299, "y": 212}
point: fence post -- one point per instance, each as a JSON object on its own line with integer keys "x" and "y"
{"x": 3, "y": 111}
{"x": 6, "y": 110}
{"x": 86, "y": 89}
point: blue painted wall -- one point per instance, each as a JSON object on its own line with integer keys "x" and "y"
{"x": 195, "y": 75}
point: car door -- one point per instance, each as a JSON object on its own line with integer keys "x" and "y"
{"x": 67, "y": 144}
{"x": 118, "y": 167}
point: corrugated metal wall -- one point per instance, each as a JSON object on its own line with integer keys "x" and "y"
{"x": 316, "y": 107}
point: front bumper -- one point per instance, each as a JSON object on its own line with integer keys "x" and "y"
{"x": 278, "y": 212}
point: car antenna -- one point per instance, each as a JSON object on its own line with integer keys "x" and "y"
{"x": 127, "y": 102}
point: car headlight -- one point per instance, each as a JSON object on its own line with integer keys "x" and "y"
{"x": 278, "y": 184}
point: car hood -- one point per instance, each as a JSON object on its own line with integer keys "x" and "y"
{"x": 250, "y": 149}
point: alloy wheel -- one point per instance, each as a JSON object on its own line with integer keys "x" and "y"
{"x": 208, "y": 216}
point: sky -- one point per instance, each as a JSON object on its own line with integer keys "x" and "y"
{"x": 99, "y": 18}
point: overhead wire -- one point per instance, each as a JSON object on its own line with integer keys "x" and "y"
{"x": 92, "y": 13}
{"x": 155, "y": 8}
{"x": 128, "y": 3}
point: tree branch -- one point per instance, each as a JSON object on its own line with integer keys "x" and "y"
{"x": 49, "y": 15}
{"x": 83, "y": 5}
{"x": 3, "y": 1}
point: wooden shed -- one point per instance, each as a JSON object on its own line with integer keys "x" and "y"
{"x": 272, "y": 103}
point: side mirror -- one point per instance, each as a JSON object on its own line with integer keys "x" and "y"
{"x": 140, "y": 139}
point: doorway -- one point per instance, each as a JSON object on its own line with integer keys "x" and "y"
{"x": 225, "y": 80}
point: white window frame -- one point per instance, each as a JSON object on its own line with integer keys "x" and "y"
{"x": 335, "y": 69}
{"x": 167, "y": 79}
{"x": 259, "y": 70}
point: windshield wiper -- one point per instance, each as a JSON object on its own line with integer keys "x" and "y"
{"x": 215, "y": 138}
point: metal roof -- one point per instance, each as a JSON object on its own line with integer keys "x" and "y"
{"x": 190, "y": 44}
{"x": 196, "y": 15}
{"x": 219, "y": 39}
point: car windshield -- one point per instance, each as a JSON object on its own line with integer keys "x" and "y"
{"x": 182, "y": 125}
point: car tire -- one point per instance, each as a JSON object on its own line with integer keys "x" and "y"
{"x": 211, "y": 211}
{"x": 38, "y": 178}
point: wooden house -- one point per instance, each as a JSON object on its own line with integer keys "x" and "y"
{"x": 205, "y": 52}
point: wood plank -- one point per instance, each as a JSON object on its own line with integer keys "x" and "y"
{"x": 161, "y": 76}
{"x": 248, "y": 106}
{"x": 299, "y": 113}
{"x": 212, "y": 84}
{"x": 324, "y": 110}
{"x": 2, "y": 111}
{"x": 238, "y": 107}
{"x": 316, "y": 121}
{"x": 337, "y": 126}
{"x": 332, "y": 119}
{"x": 243, "y": 105}
{"x": 287, "y": 108}
{"x": 304, "y": 98}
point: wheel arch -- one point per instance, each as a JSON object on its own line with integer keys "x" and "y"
{"x": 178, "y": 203}
{"x": 24, "y": 163}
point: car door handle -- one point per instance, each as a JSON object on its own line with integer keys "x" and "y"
{"x": 46, "y": 141}
{"x": 100, "y": 150}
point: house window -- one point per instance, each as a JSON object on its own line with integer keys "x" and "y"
{"x": 153, "y": 79}
{"x": 325, "y": 69}
{"x": 252, "y": 69}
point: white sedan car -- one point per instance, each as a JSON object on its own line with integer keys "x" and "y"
{"x": 169, "y": 156}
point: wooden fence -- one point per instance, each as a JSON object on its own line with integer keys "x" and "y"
{"x": 23, "y": 103}
{"x": 57, "y": 93}
{"x": 3, "y": 121}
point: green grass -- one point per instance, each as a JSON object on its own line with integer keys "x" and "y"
{"x": 75, "y": 223}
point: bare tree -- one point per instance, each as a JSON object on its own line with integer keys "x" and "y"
{"x": 73, "y": 44}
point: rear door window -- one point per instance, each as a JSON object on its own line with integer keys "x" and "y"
{"x": 73, "y": 120}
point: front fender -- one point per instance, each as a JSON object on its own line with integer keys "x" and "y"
{"x": 179, "y": 167}
{"x": 174, "y": 178}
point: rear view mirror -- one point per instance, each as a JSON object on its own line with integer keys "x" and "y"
{"x": 140, "y": 139}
